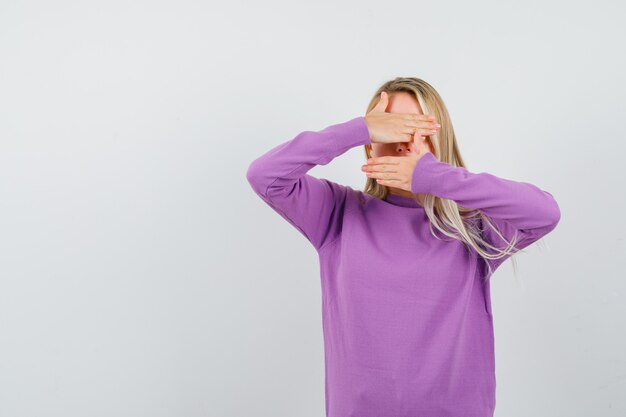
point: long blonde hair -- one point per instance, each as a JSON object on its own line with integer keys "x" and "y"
{"x": 445, "y": 215}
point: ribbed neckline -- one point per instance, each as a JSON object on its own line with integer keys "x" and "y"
{"x": 398, "y": 200}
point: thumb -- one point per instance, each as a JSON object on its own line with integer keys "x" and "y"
{"x": 382, "y": 104}
{"x": 417, "y": 138}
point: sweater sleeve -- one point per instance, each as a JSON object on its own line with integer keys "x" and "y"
{"x": 313, "y": 206}
{"x": 514, "y": 207}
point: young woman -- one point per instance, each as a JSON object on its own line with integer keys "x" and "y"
{"x": 404, "y": 264}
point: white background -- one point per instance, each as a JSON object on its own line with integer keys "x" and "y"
{"x": 141, "y": 276}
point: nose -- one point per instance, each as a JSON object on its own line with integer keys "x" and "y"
{"x": 404, "y": 147}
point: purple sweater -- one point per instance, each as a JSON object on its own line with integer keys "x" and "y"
{"x": 407, "y": 319}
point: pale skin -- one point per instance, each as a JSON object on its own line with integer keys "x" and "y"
{"x": 398, "y": 135}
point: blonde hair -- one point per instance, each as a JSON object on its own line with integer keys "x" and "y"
{"x": 445, "y": 215}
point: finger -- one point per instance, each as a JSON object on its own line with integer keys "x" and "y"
{"x": 423, "y": 124}
{"x": 383, "y": 102}
{"x": 392, "y": 160}
{"x": 387, "y": 176}
{"x": 407, "y": 135}
{"x": 427, "y": 132}
{"x": 381, "y": 168}
{"x": 391, "y": 183}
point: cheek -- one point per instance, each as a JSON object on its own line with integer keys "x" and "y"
{"x": 382, "y": 149}
{"x": 429, "y": 145}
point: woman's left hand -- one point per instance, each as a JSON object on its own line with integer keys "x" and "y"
{"x": 393, "y": 171}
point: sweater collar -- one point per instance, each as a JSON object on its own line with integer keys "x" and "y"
{"x": 397, "y": 200}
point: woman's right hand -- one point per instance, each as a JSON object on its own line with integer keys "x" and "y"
{"x": 397, "y": 127}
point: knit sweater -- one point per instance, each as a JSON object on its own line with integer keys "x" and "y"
{"x": 407, "y": 320}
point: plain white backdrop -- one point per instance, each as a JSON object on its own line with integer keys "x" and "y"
{"x": 141, "y": 276}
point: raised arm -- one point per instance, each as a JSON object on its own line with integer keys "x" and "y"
{"x": 314, "y": 206}
{"x": 513, "y": 206}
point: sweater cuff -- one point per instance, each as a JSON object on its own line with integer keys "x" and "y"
{"x": 348, "y": 135}
{"x": 425, "y": 178}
